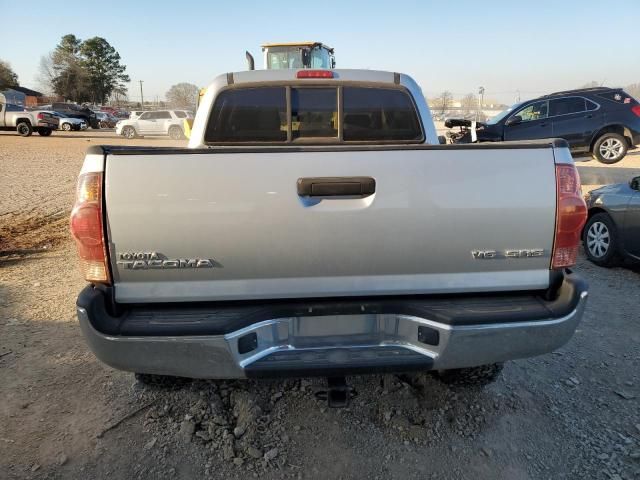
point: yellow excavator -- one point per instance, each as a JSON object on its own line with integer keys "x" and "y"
{"x": 296, "y": 55}
{"x": 279, "y": 56}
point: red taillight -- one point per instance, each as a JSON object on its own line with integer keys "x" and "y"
{"x": 636, "y": 110}
{"x": 40, "y": 116}
{"x": 86, "y": 228}
{"x": 314, "y": 74}
{"x": 571, "y": 213}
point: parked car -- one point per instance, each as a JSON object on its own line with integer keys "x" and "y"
{"x": 121, "y": 115}
{"x": 77, "y": 111}
{"x": 13, "y": 117}
{"x": 184, "y": 113}
{"x": 602, "y": 121}
{"x": 110, "y": 110}
{"x": 612, "y": 231}
{"x": 106, "y": 120}
{"x": 67, "y": 123}
{"x": 113, "y": 119}
{"x": 332, "y": 235}
{"x": 161, "y": 122}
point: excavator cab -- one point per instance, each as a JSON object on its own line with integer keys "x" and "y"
{"x": 279, "y": 56}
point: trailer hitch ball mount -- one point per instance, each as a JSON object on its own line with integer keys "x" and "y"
{"x": 338, "y": 394}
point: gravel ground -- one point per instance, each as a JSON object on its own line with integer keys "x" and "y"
{"x": 571, "y": 414}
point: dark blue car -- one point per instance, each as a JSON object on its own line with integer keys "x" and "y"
{"x": 602, "y": 121}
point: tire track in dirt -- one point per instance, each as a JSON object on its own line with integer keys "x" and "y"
{"x": 24, "y": 234}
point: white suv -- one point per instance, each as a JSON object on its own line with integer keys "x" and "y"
{"x": 161, "y": 122}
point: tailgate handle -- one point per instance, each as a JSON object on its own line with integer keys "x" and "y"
{"x": 336, "y": 186}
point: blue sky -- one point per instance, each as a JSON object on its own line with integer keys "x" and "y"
{"x": 505, "y": 46}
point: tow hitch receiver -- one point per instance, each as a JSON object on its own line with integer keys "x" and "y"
{"x": 338, "y": 394}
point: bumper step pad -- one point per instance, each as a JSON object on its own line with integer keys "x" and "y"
{"x": 338, "y": 361}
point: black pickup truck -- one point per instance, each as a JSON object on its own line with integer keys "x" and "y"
{"x": 77, "y": 111}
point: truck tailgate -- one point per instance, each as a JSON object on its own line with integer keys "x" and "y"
{"x": 194, "y": 225}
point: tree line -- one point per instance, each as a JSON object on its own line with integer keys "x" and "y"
{"x": 92, "y": 71}
{"x": 8, "y": 77}
{"x": 84, "y": 70}
{"x": 444, "y": 102}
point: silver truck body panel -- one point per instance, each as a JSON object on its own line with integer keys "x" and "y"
{"x": 431, "y": 209}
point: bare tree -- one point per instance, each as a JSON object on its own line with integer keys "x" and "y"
{"x": 442, "y": 102}
{"x": 46, "y": 74}
{"x": 445, "y": 99}
{"x": 183, "y": 95}
{"x": 469, "y": 103}
{"x": 119, "y": 96}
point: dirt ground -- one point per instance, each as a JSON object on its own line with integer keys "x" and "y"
{"x": 573, "y": 414}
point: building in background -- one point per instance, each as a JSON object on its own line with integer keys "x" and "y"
{"x": 22, "y": 97}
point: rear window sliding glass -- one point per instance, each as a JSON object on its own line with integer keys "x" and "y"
{"x": 314, "y": 112}
{"x": 374, "y": 114}
{"x": 249, "y": 115}
{"x": 260, "y": 114}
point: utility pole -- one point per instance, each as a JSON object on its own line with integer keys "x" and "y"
{"x": 141, "y": 96}
{"x": 481, "y": 100}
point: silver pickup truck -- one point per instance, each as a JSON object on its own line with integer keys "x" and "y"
{"x": 315, "y": 226}
{"x": 25, "y": 123}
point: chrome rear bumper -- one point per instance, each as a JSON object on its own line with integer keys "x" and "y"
{"x": 333, "y": 344}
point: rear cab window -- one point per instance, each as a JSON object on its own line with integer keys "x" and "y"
{"x": 308, "y": 114}
{"x": 249, "y": 115}
{"x": 373, "y": 114}
{"x": 314, "y": 112}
